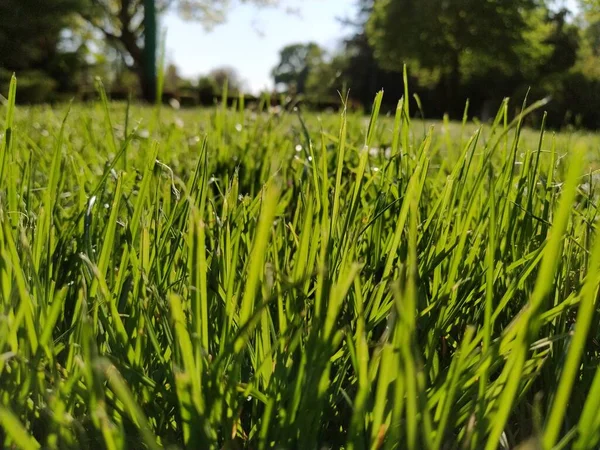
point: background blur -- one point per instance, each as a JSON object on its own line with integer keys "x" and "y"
{"x": 310, "y": 51}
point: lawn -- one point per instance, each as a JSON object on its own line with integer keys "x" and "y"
{"x": 230, "y": 278}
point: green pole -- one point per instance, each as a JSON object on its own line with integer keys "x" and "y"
{"x": 149, "y": 88}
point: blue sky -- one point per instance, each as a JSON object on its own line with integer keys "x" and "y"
{"x": 251, "y": 37}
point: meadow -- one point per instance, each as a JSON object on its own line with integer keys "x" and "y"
{"x": 235, "y": 278}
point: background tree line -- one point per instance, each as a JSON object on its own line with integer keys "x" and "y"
{"x": 455, "y": 49}
{"x": 461, "y": 49}
{"x": 48, "y": 41}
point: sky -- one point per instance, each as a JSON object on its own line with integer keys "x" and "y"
{"x": 251, "y": 38}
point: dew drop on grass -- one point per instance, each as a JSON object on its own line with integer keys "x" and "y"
{"x": 194, "y": 140}
{"x": 91, "y": 204}
{"x": 298, "y": 148}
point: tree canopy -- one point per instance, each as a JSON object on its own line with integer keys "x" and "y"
{"x": 455, "y": 49}
{"x": 455, "y": 37}
{"x": 30, "y": 34}
{"x": 296, "y": 62}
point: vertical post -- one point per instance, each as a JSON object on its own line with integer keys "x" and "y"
{"x": 149, "y": 87}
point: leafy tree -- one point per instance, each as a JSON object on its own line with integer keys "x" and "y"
{"x": 326, "y": 79}
{"x": 29, "y": 34}
{"x": 361, "y": 72}
{"x": 172, "y": 78}
{"x": 124, "y": 23}
{"x": 565, "y": 42}
{"x": 589, "y": 54}
{"x": 30, "y": 38}
{"x": 229, "y": 75}
{"x": 364, "y": 75}
{"x": 453, "y": 37}
{"x": 207, "y": 87}
{"x": 296, "y": 62}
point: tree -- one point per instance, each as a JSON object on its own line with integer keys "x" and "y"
{"x": 295, "y": 65}
{"x": 207, "y": 87}
{"x": 326, "y": 79}
{"x": 449, "y": 37}
{"x": 229, "y": 75}
{"x": 172, "y": 78}
{"x": 589, "y": 55}
{"x": 30, "y": 38}
{"x": 361, "y": 72}
{"x": 130, "y": 26}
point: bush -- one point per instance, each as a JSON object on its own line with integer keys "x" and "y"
{"x": 207, "y": 87}
{"x": 34, "y": 86}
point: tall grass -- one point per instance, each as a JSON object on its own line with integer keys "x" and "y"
{"x": 248, "y": 279}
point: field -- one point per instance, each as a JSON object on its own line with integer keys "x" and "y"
{"x": 229, "y": 278}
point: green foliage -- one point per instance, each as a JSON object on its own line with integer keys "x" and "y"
{"x": 326, "y": 79}
{"x": 457, "y": 53}
{"x": 207, "y": 86}
{"x": 34, "y": 87}
{"x": 268, "y": 280}
{"x": 469, "y": 48}
{"x": 30, "y": 38}
{"x": 29, "y": 35}
{"x": 296, "y": 63}
{"x": 589, "y": 57}
{"x": 439, "y": 34}
{"x": 224, "y": 78}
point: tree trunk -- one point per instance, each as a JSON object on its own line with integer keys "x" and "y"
{"x": 147, "y": 74}
{"x": 449, "y": 86}
{"x": 453, "y": 86}
{"x": 147, "y": 85}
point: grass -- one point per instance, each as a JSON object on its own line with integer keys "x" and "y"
{"x": 253, "y": 279}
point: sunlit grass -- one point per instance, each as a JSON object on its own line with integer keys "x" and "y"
{"x": 231, "y": 278}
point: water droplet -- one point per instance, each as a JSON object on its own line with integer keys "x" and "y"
{"x": 298, "y": 148}
{"x": 91, "y": 203}
{"x": 193, "y": 140}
